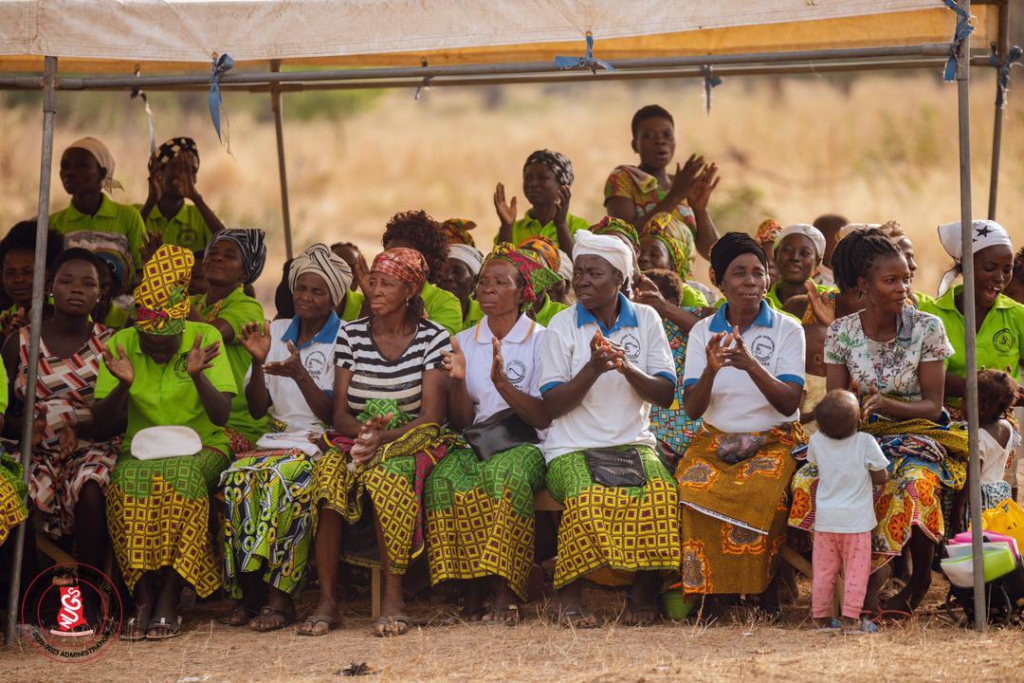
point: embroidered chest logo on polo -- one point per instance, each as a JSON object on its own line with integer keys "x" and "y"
{"x": 631, "y": 345}
{"x": 181, "y": 368}
{"x": 516, "y": 371}
{"x": 762, "y": 348}
{"x": 315, "y": 363}
{"x": 1004, "y": 341}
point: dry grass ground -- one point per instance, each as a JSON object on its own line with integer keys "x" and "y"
{"x": 928, "y": 649}
{"x": 875, "y": 149}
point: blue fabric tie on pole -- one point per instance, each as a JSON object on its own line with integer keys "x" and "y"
{"x": 1003, "y": 73}
{"x": 710, "y": 81}
{"x": 221, "y": 65}
{"x": 963, "y": 29}
{"x": 585, "y": 62}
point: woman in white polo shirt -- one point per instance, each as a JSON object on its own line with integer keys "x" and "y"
{"x": 268, "y": 516}
{"x": 744, "y": 376}
{"x": 604, "y": 362}
{"x": 479, "y": 500}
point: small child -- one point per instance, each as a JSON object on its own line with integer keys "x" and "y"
{"x": 997, "y": 393}
{"x": 814, "y": 379}
{"x": 848, "y": 462}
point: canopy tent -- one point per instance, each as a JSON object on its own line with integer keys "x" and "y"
{"x": 110, "y": 44}
{"x": 161, "y": 35}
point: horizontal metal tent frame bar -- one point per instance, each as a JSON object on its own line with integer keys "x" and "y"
{"x": 253, "y": 78}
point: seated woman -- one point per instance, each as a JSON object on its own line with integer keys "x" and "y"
{"x": 999, "y": 320}
{"x": 464, "y": 262}
{"x": 636, "y": 193}
{"x": 268, "y": 517}
{"x": 234, "y": 259}
{"x": 544, "y": 252}
{"x": 389, "y": 390}
{"x": 744, "y": 376}
{"x": 164, "y": 371}
{"x": 12, "y": 479}
{"x": 604, "y": 362}
{"x": 417, "y": 231}
{"x": 798, "y": 252}
{"x": 116, "y": 274}
{"x": 547, "y": 179}
{"x": 173, "y": 169}
{"x": 891, "y": 355}
{"x": 17, "y": 266}
{"x": 70, "y": 467}
{"x": 480, "y": 502}
{"x": 87, "y": 171}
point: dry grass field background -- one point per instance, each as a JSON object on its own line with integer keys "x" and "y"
{"x": 872, "y": 148}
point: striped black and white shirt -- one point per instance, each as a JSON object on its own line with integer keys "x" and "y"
{"x": 374, "y": 376}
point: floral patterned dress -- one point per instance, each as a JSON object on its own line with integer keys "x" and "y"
{"x": 924, "y": 457}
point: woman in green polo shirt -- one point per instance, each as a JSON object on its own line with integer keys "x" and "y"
{"x": 87, "y": 171}
{"x": 418, "y": 231}
{"x": 547, "y": 177}
{"x": 999, "y": 320}
{"x": 164, "y": 371}
{"x": 17, "y": 266}
{"x": 235, "y": 258}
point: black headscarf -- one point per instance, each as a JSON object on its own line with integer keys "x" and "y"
{"x": 728, "y": 247}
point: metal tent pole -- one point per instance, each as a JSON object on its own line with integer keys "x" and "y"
{"x": 282, "y": 171}
{"x": 997, "y": 127}
{"x": 36, "y": 320}
{"x": 970, "y": 329}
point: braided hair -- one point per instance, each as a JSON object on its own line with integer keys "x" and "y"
{"x": 856, "y": 255}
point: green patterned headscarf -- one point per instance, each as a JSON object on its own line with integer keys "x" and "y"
{"x": 679, "y": 253}
{"x": 617, "y": 226}
{"x": 538, "y": 277}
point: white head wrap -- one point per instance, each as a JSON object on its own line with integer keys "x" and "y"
{"x": 808, "y": 231}
{"x": 103, "y": 157}
{"x": 471, "y": 256}
{"x": 565, "y": 266}
{"x": 322, "y": 261}
{"x": 611, "y": 249}
{"x": 986, "y": 234}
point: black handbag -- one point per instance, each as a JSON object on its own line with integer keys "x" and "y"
{"x": 498, "y": 433}
{"x": 615, "y": 466}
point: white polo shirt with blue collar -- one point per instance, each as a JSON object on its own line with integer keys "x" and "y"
{"x": 520, "y": 349}
{"x": 612, "y": 413}
{"x": 287, "y": 402}
{"x": 776, "y": 341}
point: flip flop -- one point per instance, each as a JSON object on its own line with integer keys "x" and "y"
{"x": 834, "y": 626}
{"x": 133, "y": 631}
{"x": 308, "y": 627}
{"x": 240, "y": 615}
{"x": 173, "y": 629}
{"x": 577, "y": 619}
{"x": 384, "y": 627}
{"x": 498, "y": 615}
{"x": 258, "y": 624}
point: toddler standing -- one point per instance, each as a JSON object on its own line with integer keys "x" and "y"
{"x": 848, "y": 463}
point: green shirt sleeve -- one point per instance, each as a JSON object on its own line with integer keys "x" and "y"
{"x": 244, "y": 310}
{"x": 3, "y": 394}
{"x": 693, "y": 298}
{"x": 444, "y": 308}
{"x": 353, "y": 306}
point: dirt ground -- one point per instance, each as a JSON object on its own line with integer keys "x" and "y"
{"x": 928, "y": 648}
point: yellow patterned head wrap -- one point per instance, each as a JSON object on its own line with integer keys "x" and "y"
{"x": 660, "y": 227}
{"x": 161, "y": 300}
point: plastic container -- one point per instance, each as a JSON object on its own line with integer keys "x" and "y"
{"x": 958, "y": 550}
{"x": 964, "y": 538}
{"x": 675, "y": 606}
{"x": 999, "y": 561}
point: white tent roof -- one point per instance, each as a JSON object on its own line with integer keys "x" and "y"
{"x": 115, "y": 35}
